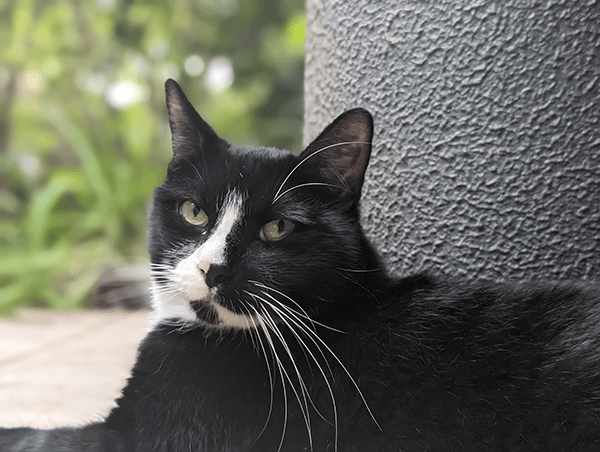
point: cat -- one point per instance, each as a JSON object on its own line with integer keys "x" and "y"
{"x": 277, "y": 328}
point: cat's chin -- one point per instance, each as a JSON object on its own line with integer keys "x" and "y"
{"x": 214, "y": 314}
{"x": 206, "y": 312}
{"x": 226, "y": 318}
{"x": 180, "y": 309}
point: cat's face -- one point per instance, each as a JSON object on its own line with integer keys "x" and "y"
{"x": 240, "y": 236}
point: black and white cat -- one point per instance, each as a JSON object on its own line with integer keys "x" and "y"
{"x": 276, "y": 328}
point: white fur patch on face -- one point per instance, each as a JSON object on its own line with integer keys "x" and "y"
{"x": 170, "y": 305}
{"x": 187, "y": 280}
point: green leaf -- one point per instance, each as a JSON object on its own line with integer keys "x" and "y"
{"x": 19, "y": 262}
{"x": 12, "y": 295}
{"x": 21, "y": 25}
{"x": 38, "y": 216}
{"x": 82, "y": 147}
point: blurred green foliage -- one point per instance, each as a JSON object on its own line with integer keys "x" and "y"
{"x": 83, "y": 131}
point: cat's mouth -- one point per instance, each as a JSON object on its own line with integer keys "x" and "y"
{"x": 212, "y": 312}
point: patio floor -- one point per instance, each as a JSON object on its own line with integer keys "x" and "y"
{"x": 65, "y": 368}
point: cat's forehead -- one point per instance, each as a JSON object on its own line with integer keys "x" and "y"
{"x": 258, "y": 161}
{"x": 256, "y": 172}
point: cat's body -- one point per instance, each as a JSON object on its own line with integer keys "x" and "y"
{"x": 277, "y": 329}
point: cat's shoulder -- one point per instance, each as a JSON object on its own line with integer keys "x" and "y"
{"x": 452, "y": 302}
{"x": 428, "y": 285}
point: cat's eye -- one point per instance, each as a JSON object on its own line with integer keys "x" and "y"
{"x": 276, "y": 230}
{"x": 193, "y": 214}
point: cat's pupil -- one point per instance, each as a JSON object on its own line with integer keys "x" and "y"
{"x": 280, "y": 226}
{"x": 193, "y": 214}
{"x": 276, "y": 230}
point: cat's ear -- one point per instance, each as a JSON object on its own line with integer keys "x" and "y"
{"x": 341, "y": 153}
{"x": 189, "y": 132}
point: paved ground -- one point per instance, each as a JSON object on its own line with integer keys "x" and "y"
{"x": 65, "y": 368}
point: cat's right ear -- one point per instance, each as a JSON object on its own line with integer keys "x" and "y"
{"x": 190, "y": 134}
{"x": 341, "y": 153}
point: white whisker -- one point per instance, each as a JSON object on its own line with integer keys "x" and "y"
{"x": 361, "y": 286}
{"x": 304, "y": 314}
{"x": 273, "y": 326}
{"x": 367, "y": 270}
{"x": 269, "y": 339}
{"x": 313, "y": 336}
{"x": 303, "y": 328}
{"x": 349, "y": 376}
{"x": 263, "y": 286}
{"x": 249, "y": 330}
{"x": 303, "y": 404}
{"x": 293, "y": 320}
{"x": 297, "y": 320}
{"x": 256, "y": 331}
{"x": 308, "y": 184}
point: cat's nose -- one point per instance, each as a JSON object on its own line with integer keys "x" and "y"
{"x": 216, "y": 274}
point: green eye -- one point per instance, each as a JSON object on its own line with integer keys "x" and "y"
{"x": 276, "y": 230}
{"x": 193, "y": 214}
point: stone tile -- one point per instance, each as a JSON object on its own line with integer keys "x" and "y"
{"x": 65, "y": 368}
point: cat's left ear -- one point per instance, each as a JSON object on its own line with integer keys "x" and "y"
{"x": 341, "y": 153}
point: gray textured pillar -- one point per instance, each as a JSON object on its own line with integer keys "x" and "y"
{"x": 487, "y": 116}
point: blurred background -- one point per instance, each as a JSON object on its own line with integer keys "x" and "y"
{"x": 84, "y": 137}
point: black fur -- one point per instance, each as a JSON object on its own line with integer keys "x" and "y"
{"x": 413, "y": 364}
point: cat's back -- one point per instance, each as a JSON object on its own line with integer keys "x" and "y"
{"x": 515, "y": 367}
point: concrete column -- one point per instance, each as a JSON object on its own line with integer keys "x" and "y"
{"x": 487, "y": 116}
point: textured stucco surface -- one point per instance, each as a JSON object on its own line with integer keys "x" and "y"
{"x": 487, "y": 116}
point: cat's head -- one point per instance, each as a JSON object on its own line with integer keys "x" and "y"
{"x": 243, "y": 235}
